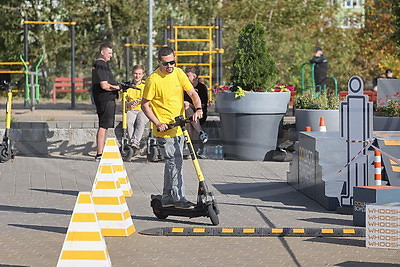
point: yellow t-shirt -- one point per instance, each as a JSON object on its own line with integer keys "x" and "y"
{"x": 165, "y": 91}
{"x": 134, "y": 94}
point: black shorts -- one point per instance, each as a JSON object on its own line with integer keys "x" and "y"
{"x": 106, "y": 113}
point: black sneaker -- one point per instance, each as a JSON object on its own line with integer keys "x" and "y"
{"x": 168, "y": 202}
{"x": 97, "y": 158}
{"x": 186, "y": 205}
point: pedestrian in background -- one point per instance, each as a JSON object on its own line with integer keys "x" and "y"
{"x": 136, "y": 119}
{"x": 320, "y": 69}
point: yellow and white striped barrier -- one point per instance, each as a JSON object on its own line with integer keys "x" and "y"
{"x": 112, "y": 155}
{"x": 110, "y": 205}
{"x": 84, "y": 244}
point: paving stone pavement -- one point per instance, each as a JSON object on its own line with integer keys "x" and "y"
{"x": 37, "y": 196}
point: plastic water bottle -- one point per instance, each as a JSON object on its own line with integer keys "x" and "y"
{"x": 216, "y": 152}
{"x": 220, "y": 152}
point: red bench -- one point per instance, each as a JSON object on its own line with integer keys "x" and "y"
{"x": 371, "y": 95}
{"x": 63, "y": 85}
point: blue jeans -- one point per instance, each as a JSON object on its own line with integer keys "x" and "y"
{"x": 172, "y": 150}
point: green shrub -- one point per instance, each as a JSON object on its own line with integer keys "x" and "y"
{"x": 253, "y": 68}
{"x": 317, "y": 101}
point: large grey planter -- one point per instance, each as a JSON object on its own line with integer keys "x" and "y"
{"x": 386, "y": 123}
{"x": 310, "y": 117}
{"x": 250, "y": 124}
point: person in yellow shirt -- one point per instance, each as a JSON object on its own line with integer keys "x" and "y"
{"x": 135, "y": 117}
{"x": 162, "y": 102}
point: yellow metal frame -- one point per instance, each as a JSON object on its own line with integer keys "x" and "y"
{"x": 210, "y": 51}
{"x": 143, "y": 45}
{"x": 49, "y": 22}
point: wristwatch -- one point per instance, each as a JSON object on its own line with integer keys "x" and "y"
{"x": 199, "y": 109}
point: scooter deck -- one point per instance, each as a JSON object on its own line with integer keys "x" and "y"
{"x": 198, "y": 211}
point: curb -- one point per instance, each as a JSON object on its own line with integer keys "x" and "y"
{"x": 242, "y": 231}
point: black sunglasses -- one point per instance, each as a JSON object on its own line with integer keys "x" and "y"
{"x": 172, "y": 62}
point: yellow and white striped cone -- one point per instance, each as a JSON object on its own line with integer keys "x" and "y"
{"x": 112, "y": 155}
{"x": 110, "y": 205}
{"x": 84, "y": 244}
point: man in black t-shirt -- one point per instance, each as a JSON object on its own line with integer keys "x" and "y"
{"x": 193, "y": 73}
{"x": 105, "y": 92}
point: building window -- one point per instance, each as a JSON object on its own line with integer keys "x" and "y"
{"x": 351, "y": 3}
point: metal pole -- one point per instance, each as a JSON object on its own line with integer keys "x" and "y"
{"x": 72, "y": 65}
{"x": 218, "y": 39}
{"x": 26, "y": 60}
{"x": 150, "y": 56}
{"x": 170, "y": 32}
{"x": 127, "y": 63}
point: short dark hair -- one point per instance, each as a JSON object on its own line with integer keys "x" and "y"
{"x": 318, "y": 49}
{"x": 165, "y": 51}
{"x": 389, "y": 71}
{"x": 104, "y": 46}
{"x": 193, "y": 69}
{"x": 138, "y": 67}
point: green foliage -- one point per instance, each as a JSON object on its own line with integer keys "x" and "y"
{"x": 317, "y": 101}
{"x": 294, "y": 28}
{"x": 253, "y": 67}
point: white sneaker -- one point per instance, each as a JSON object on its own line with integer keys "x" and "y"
{"x": 203, "y": 137}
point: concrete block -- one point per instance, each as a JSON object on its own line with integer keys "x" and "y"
{"x": 364, "y": 195}
{"x": 88, "y": 124}
{"x": 63, "y": 125}
{"x": 75, "y": 124}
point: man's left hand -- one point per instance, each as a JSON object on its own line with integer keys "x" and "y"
{"x": 198, "y": 115}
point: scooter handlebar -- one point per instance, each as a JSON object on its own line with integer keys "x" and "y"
{"x": 4, "y": 85}
{"x": 126, "y": 85}
{"x": 179, "y": 121}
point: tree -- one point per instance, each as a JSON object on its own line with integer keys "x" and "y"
{"x": 253, "y": 67}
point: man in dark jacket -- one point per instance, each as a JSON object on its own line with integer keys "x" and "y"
{"x": 320, "y": 69}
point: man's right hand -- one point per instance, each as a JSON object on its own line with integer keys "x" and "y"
{"x": 162, "y": 127}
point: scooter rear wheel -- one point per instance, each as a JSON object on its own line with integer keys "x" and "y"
{"x": 157, "y": 206}
{"x": 153, "y": 154}
{"x": 4, "y": 153}
{"x": 212, "y": 214}
{"x": 127, "y": 153}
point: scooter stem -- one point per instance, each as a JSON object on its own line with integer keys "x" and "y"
{"x": 8, "y": 111}
{"x": 196, "y": 164}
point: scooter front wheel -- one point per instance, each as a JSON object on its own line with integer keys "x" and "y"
{"x": 4, "y": 153}
{"x": 212, "y": 214}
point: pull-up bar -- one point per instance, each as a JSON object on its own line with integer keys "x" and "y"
{"x": 72, "y": 23}
{"x": 13, "y": 63}
{"x": 49, "y": 22}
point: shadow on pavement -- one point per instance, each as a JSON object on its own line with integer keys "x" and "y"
{"x": 54, "y": 229}
{"x": 365, "y": 264}
{"x": 185, "y": 221}
{"x": 329, "y": 221}
{"x": 34, "y": 210}
{"x": 345, "y": 241}
{"x": 270, "y": 191}
{"x": 64, "y": 192}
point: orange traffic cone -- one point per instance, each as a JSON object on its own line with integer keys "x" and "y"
{"x": 322, "y": 125}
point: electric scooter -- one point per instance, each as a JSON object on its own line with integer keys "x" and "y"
{"x": 7, "y": 147}
{"x": 206, "y": 203}
{"x": 125, "y": 149}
